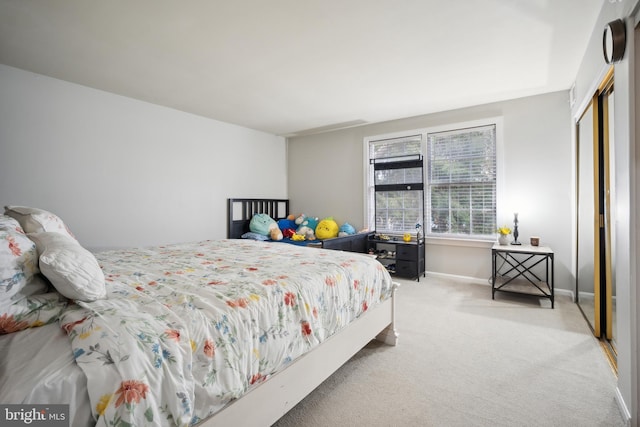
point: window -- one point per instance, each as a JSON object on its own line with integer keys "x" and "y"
{"x": 461, "y": 179}
{"x": 395, "y": 211}
{"x": 460, "y": 164}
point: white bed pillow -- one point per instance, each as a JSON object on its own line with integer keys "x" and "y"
{"x": 73, "y": 270}
{"x": 7, "y": 222}
{"x": 31, "y": 309}
{"x": 34, "y": 220}
{"x": 18, "y": 262}
{"x": 24, "y": 302}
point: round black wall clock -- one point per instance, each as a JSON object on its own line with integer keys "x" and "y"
{"x": 613, "y": 41}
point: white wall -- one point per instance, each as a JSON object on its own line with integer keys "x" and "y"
{"x": 122, "y": 172}
{"x": 591, "y": 71}
{"x": 326, "y": 178}
{"x": 633, "y": 315}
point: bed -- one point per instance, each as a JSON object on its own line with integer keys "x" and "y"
{"x": 223, "y": 332}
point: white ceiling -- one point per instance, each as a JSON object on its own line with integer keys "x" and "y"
{"x": 289, "y": 66}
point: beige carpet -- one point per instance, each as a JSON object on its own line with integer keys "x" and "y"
{"x": 466, "y": 360}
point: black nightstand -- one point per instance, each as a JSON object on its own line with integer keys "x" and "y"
{"x": 522, "y": 269}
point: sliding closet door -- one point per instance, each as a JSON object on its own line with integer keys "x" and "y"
{"x": 606, "y": 99}
{"x": 587, "y": 221}
{"x": 596, "y": 257}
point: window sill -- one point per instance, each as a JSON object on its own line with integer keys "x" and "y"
{"x": 459, "y": 241}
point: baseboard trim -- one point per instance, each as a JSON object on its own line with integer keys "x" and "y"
{"x": 624, "y": 410}
{"x": 480, "y": 281}
{"x": 475, "y": 280}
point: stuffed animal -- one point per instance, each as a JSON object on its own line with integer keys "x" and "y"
{"x": 327, "y": 228}
{"x": 346, "y": 229}
{"x": 275, "y": 232}
{"x": 261, "y": 224}
{"x": 289, "y": 232}
{"x": 308, "y": 228}
{"x": 300, "y": 219}
{"x": 287, "y": 226}
{"x": 307, "y": 232}
{"x": 312, "y": 222}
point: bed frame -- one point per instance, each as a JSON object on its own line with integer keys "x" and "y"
{"x": 240, "y": 212}
{"x": 269, "y": 401}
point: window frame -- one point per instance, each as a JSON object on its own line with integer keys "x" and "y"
{"x": 441, "y": 238}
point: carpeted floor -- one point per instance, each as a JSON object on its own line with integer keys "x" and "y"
{"x": 466, "y": 360}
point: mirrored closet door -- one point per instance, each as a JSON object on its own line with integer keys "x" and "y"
{"x": 595, "y": 269}
{"x": 587, "y": 266}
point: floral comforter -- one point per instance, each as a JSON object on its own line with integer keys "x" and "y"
{"x": 187, "y": 328}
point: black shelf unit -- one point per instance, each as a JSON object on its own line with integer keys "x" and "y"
{"x": 404, "y": 259}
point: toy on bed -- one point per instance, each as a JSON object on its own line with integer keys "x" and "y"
{"x": 275, "y": 233}
{"x": 327, "y": 229}
{"x": 307, "y": 227}
{"x": 346, "y": 229}
{"x": 261, "y": 224}
{"x": 264, "y": 225}
{"x": 287, "y": 226}
{"x": 295, "y": 228}
{"x": 299, "y": 219}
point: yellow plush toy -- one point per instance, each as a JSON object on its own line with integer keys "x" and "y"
{"x": 327, "y": 228}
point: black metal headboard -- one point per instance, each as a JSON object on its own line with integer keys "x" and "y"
{"x": 240, "y": 212}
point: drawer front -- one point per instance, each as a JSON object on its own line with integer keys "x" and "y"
{"x": 406, "y": 268}
{"x": 407, "y": 252}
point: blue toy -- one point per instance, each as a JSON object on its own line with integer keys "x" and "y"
{"x": 346, "y": 229}
{"x": 285, "y": 224}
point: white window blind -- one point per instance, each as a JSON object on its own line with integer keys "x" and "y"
{"x": 395, "y": 147}
{"x": 461, "y": 178}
